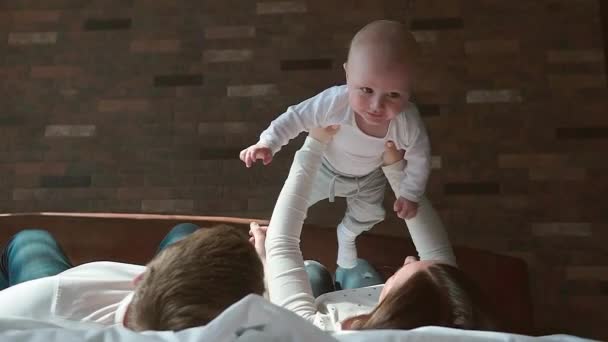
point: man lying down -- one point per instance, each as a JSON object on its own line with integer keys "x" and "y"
{"x": 199, "y": 273}
{"x": 196, "y": 275}
{"x": 208, "y": 277}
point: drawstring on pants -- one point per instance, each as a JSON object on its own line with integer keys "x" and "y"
{"x": 332, "y": 188}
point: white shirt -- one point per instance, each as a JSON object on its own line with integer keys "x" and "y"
{"x": 335, "y": 307}
{"x": 251, "y": 319}
{"x": 89, "y": 295}
{"x": 288, "y": 284}
{"x": 352, "y": 152}
{"x": 254, "y": 319}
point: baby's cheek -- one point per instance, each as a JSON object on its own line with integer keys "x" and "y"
{"x": 356, "y": 101}
{"x": 396, "y": 109}
{"x": 392, "y": 113}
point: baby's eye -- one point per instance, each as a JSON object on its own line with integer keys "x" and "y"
{"x": 394, "y": 95}
{"x": 367, "y": 90}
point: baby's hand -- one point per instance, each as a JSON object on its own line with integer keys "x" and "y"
{"x": 254, "y": 152}
{"x": 324, "y": 135}
{"x": 391, "y": 154}
{"x": 405, "y": 208}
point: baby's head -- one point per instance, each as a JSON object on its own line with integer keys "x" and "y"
{"x": 380, "y": 69}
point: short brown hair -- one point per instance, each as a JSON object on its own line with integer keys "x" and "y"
{"x": 192, "y": 281}
{"x": 440, "y": 295}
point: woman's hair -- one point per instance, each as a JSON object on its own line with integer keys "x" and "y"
{"x": 192, "y": 281}
{"x": 440, "y": 295}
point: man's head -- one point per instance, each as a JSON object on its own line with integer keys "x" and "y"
{"x": 192, "y": 281}
{"x": 379, "y": 70}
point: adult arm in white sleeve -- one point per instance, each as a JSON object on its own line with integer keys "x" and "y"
{"x": 426, "y": 228}
{"x": 313, "y": 112}
{"x": 418, "y": 156}
{"x": 288, "y": 284}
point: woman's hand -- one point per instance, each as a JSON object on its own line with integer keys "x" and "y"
{"x": 391, "y": 154}
{"x": 257, "y": 238}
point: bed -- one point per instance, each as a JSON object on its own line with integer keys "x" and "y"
{"x": 110, "y": 236}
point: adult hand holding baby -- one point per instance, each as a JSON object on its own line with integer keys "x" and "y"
{"x": 403, "y": 207}
{"x": 324, "y": 134}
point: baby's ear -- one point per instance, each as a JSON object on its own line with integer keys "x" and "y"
{"x": 345, "y": 66}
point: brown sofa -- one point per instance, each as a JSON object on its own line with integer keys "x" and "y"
{"x": 133, "y": 238}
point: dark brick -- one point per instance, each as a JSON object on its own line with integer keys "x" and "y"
{"x": 65, "y": 181}
{"x": 10, "y": 120}
{"x": 575, "y": 68}
{"x": 83, "y": 169}
{"x": 437, "y": 24}
{"x": 582, "y": 133}
{"x": 554, "y": 7}
{"x": 604, "y": 288}
{"x": 306, "y": 64}
{"x": 472, "y": 188}
{"x": 178, "y": 80}
{"x": 604, "y": 15}
{"x": 107, "y": 24}
{"x": 429, "y": 109}
{"x": 219, "y": 154}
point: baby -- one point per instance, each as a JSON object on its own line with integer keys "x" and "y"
{"x": 371, "y": 109}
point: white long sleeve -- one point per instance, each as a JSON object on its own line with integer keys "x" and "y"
{"x": 352, "y": 152}
{"x": 313, "y": 112}
{"x": 426, "y": 228}
{"x": 288, "y": 284}
{"x": 85, "y": 296}
{"x": 418, "y": 155}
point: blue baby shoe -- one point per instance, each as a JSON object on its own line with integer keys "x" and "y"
{"x": 362, "y": 275}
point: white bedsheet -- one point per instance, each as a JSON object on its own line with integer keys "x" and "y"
{"x": 252, "y": 319}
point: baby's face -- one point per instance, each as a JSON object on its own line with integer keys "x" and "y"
{"x": 377, "y": 90}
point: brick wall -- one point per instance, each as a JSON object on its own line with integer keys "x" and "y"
{"x": 142, "y": 106}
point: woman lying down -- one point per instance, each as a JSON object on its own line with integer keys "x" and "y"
{"x": 431, "y": 291}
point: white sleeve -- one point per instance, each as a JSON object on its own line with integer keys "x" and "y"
{"x": 418, "y": 156}
{"x": 288, "y": 283}
{"x": 313, "y": 112}
{"x": 32, "y": 299}
{"x": 426, "y": 228}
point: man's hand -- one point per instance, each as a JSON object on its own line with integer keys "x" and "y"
{"x": 257, "y": 238}
{"x": 405, "y": 208}
{"x": 255, "y": 152}
{"x": 391, "y": 154}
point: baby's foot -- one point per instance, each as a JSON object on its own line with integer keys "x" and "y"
{"x": 347, "y": 249}
{"x": 391, "y": 154}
